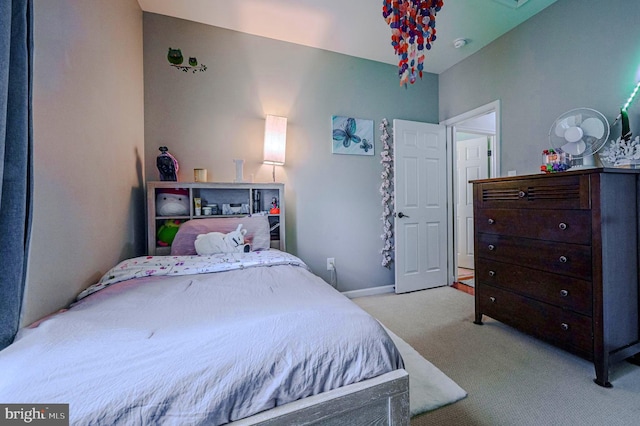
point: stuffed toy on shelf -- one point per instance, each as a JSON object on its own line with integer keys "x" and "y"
{"x": 172, "y": 202}
{"x": 167, "y": 232}
{"x": 167, "y": 165}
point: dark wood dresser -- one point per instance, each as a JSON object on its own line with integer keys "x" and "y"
{"x": 556, "y": 256}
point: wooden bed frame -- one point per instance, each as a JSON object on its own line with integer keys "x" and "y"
{"x": 383, "y": 400}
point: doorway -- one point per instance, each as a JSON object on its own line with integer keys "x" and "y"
{"x": 473, "y": 142}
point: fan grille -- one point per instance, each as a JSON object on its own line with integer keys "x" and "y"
{"x": 568, "y": 122}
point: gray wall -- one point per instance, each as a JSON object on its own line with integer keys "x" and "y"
{"x": 575, "y": 53}
{"x": 91, "y": 149}
{"x": 207, "y": 119}
{"x": 88, "y": 146}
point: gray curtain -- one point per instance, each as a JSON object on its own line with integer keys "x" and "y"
{"x": 16, "y": 53}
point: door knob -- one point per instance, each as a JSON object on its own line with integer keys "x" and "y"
{"x": 401, "y": 215}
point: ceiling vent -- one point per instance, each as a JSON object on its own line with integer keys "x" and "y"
{"x": 514, "y": 4}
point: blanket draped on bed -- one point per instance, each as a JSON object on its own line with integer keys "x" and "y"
{"x": 156, "y": 266}
{"x": 202, "y": 348}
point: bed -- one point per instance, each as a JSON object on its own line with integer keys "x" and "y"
{"x": 252, "y": 338}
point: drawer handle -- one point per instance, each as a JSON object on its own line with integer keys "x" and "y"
{"x": 564, "y": 326}
{"x": 492, "y": 299}
{"x": 562, "y": 226}
{"x": 522, "y": 194}
{"x": 491, "y": 247}
{"x": 491, "y": 221}
{"x": 492, "y": 273}
{"x": 563, "y": 259}
{"x": 564, "y": 293}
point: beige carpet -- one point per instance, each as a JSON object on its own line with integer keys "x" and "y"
{"x": 511, "y": 379}
{"x": 429, "y": 388}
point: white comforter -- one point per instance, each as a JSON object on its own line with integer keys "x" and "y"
{"x": 196, "y": 349}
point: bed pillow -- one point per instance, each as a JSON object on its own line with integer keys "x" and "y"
{"x": 257, "y": 236}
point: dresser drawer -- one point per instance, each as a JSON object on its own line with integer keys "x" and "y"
{"x": 563, "y": 328}
{"x": 569, "y": 226}
{"x": 562, "y": 291}
{"x": 557, "y": 192}
{"x": 559, "y": 258}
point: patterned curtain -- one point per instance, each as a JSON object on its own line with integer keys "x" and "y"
{"x": 16, "y": 63}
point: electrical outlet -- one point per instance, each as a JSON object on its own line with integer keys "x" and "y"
{"x": 331, "y": 263}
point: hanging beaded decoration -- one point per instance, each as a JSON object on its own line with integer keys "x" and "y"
{"x": 413, "y": 29}
{"x": 387, "y": 191}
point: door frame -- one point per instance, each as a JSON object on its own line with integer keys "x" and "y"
{"x": 452, "y": 124}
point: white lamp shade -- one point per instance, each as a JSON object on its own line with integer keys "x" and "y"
{"x": 275, "y": 139}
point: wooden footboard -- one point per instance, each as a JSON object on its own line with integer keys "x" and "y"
{"x": 383, "y": 400}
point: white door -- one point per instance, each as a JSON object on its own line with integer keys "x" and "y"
{"x": 472, "y": 163}
{"x": 420, "y": 180}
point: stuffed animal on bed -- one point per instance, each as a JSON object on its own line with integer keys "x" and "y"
{"x": 172, "y": 202}
{"x": 217, "y": 242}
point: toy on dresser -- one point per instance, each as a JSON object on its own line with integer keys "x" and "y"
{"x": 217, "y": 242}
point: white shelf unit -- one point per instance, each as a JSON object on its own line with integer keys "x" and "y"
{"x": 217, "y": 193}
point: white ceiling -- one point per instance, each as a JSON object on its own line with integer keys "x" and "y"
{"x": 355, "y": 27}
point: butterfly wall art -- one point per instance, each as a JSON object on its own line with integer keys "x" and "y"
{"x": 352, "y": 135}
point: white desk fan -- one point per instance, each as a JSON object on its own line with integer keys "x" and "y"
{"x": 580, "y": 132}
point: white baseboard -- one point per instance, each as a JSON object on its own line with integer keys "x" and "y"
{"x": 369, "y": 291}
